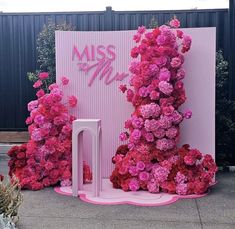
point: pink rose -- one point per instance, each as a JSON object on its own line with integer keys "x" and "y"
{"x": 144, "y": 176}
{"x": 72, "y": 101}
{"x": 123, "y": 136}
{"x": 64, "y": 80}
{"x": 140, "y": 165}
{"x": 134, "y": 184}
{"x": 176, "y": 62}
{"x": 175, "y": 23}
{"x": 37, "y": 84}
{"x": 40, "y": 93}
{"x": 43, "y": 75}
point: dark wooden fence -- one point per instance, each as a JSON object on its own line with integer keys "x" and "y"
{"x": 18, "y": 32}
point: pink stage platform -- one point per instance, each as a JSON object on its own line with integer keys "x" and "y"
{"x": 111, "y": 196}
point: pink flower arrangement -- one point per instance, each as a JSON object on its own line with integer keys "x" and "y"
{"x": 151, "y": 160}
{"x": 46, "y": 159}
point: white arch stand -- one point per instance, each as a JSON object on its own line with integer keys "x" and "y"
{"x": 94, "y": 127}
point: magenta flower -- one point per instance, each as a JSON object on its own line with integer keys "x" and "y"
{"x": 165, "y": 144}
{"x": 135, "y": 135}
{"x": 64, "y": 80}
{"x": 175, "y": 23}
{"x": 65, "y": 183}
{"x": 180, "y": 74}
{"x": 150, "y": 110}
{"x": 172, "y": 132}
{"x": 143, "y": 92}
{"x": 37, "y": 84}
{"x": 32, "y": 105}
{"x": 176, "y": 62}
{"x": 164, "y": 74}
{"x": 53, "y": 86}
{"x": 137, "y": 122}
{"x": 188, "y": 114}
{"x": 134, "y": 184}
{"x": 43, "y": 75}
{"x": 180, "y": 178}
{"x": 149, "y": 137}
{"x": 144, "y": 176}
{"x": 133, "y": 170}
{"x": 123, "y": 88}
{"x": 141, "y": 29}
{"x": 39, "y": 119}
{"x": 40, "y": 93}
{"x": 123, "y": 136}
{"x": 159, "y": 133}
{"x": 165, "y": 87}
{"x": 153, "y": 187}
{"x": 72, "y": 101}
{"x": 140, "y": 165}
{"x": 181, "y": 189}
{"x": 154, "y": 95}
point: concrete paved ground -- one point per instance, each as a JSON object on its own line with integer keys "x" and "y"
{"x": 48, "y": 210}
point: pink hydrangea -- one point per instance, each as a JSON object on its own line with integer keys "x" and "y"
{"x": 165, "y": 144}
{"x": 143, "y": 176}
{"x": 39, "y": 119}
{"x": 164, "y": 74}
{"x": 134, "y": 184}
{"x": 159, "y": 133}
{"x": 160, "y": 173}
{"x": 165, "y": 122}
{"x": 43, "y": 75}
{"x": 180, "y": 178}
{"x": 176, "y": 117}
{"x": 137, "y": 122}
{"x": 181, "y": 188}
{"x": 143, "y": 92}
{"x": 165, "y": 87}
{"x": 64, "y": 80}
{"x": 172, "y": 132}
{"x": 149, "y": 137}
{"x": 36, "y": 135}
{"x": 150, "y": 110}
{"x": 151, "y": 125}
{"x": 66, "y": 183}
{"x": 153, "y": 187}
{"x": 168, "y": 110}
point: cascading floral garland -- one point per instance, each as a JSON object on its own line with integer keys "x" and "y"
{"x": 46, "y": 159}
{"x": 151, "y": 160}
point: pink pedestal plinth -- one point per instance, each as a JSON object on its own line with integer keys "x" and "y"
{"x": 111, "y": 196}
